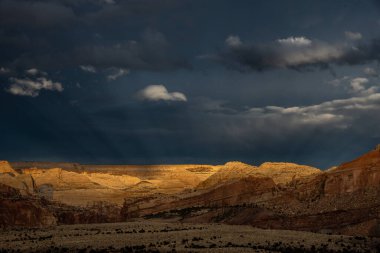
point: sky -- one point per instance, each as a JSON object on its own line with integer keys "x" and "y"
{"x": 189, "y": 81}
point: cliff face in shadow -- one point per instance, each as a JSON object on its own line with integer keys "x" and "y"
{"x": 19, "y": 210}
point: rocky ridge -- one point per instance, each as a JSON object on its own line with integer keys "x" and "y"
{"x": 345, "y": 199}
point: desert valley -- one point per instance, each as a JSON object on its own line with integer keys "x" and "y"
{"x": 189, "y": 126}
{"x": 66, "y": 206}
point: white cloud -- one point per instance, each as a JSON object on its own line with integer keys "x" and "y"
{"x": 233, "y": 41}
{"x": 285, "y": 53}
{"x": 159, "y": 92}
{"x": 117, "y": 73}
{"x": 295, "y": 41}
{"x": 88, "y": 68}
{"x": 32, "y": 88}
{"x": 293, "y": 53}
{"x": 370, "y": 90}
{"x": 353, "y": 35}
{"x": 370, "y": 71}
{"x": 280, "y": 124}
{"x": 358, "y": 84}
{"x": 34, "y": 72}
{"x": 310, "y": 55}
{"x": 334, "y": 106}
{"x": 335, "y": 113}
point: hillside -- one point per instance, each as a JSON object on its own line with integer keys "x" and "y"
{"x": 345, "y": 199}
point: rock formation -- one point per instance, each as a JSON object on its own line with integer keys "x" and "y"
{"x": 344, "y": 199}
{"x": 16, "y": 210}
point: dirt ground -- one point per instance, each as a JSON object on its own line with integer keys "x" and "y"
{"x": 157, "y": 236}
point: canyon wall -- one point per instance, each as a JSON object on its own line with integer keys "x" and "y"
{"x": 344, "y": 199}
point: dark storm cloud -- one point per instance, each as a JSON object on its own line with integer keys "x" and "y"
{"x": 152, "y": 52}
{"x": 52, "y": 12}
{"x": 63, "y": 34}
{"x": 34, "y": 13}
{"x": 293, "y": 130}
{"x": 295, "y": 53}
{"x": 212, "y": 130}
{"x": 269, "y": 123}
{"x": 107, "y": 81}
{"x": 377, "y": 3}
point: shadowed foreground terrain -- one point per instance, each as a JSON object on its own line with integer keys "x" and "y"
{"x": 153, "y": 236}
{"x": 344, "y": 200}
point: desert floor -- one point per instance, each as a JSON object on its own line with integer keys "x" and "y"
{"x": 156, "y": 236}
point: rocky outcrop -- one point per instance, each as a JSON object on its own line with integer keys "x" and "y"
{"x": 25, "y": 213}
{"x": 19, "y": 211}
{"x": 360, "y": 174}
{"x": 344, "y": 199}
{"x": 244, "y": 190}
{"x": 5, "y": 167}
{"x": 235, "y": 192}
{"x": 9, "y": 176}
{"x": 99, "y": 212}
{"x": 283, "y": 173}
{"x": 229, "y": 171}
{"x": 70, "y": 188}
{"x": 80, "y": 185}
{"x": 7, "y": 192}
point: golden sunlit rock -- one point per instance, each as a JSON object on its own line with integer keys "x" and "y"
{"x": 279, "y": 195}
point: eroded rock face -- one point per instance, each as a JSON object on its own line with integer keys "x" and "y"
{"x": 25, "y": 213}
{"x": 283, "y": 173}
{"x": 229, "y": 171}
{"x": 71, "y": 188}
{"x": 81, "y": 185}
{"x": 16, "y": 210}
{"x": 362, "y": 173}
{"x": 9, "y": 176}
{"x": 100, "y": 212}
{"x": 23, "y": 183}
{"x": 345, "y": 199}
{"x": 113, "y": 181}
{"x": 5, "y": 167}
{"x": 244, "y": 190}
{"x": 7, "y": 192}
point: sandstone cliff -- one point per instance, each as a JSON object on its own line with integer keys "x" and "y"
{"x": 16, "y": 210}
{"x": 281, "y": 173}
{"x": 344, "y": 199}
